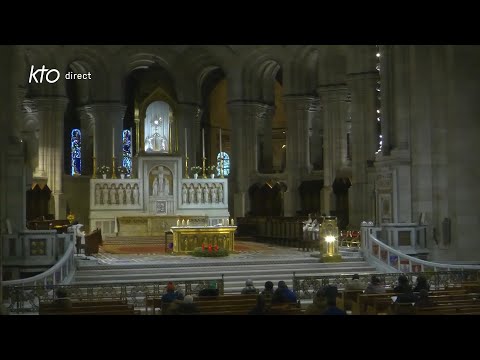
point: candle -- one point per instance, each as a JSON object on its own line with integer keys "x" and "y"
{"x": 203, "y": 143}
{"x": 94, "y": 145}
{"x": 113, "y": 142}
{"x": 220, "y": 140}
{"x": 186, "y": 153}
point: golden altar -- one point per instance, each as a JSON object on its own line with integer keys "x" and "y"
{"x": 187, "y": 238}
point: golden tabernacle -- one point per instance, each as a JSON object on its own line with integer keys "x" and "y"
{"x": 186, "y": 239}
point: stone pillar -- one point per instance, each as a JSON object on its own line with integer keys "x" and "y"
{"x": 299, "y": 111}
{"x": 332, "y": 98}
{"x": 108, "y": 116}
{"x": 189, "y": 117}
{"x": 364, "y": 144}
{"x": 51, "y": 112}
{"x": 265, "y": 138}
{"x": 88, "y": 128}
{"x": 245, "y": 118}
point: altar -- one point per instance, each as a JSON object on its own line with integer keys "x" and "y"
{"x": 187, "y": 238}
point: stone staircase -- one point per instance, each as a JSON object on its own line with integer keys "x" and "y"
{"x": 235, "y": 271}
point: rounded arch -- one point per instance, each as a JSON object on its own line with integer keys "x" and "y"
{"x": 266, "y": 198}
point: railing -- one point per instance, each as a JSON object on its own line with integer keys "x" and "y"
{"x": 62, "y": 272}
{"x": 27, "y": 298}
{"x": 305, "y": 287}
{"x": 378, "y": 253}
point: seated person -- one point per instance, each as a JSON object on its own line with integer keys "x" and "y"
{"x": 423, "y": 299}
{"x": 62, "y": 300}
{"x": 331, "y": 296}
{"x": 211, "y": 290}
{"x": 421, "y": 284}
{"x": 182, "y": 307}
{"x": 403, "y": 285}
{"x": 249, "y": 288}
{"x": 375, "y": 286}
{"x": 283, "y": 294}
{"x": 268, "y": 292}
{"x": 355, "y": 283}
{"x": 319, "y": 305}
{"x": 260, "y": 307}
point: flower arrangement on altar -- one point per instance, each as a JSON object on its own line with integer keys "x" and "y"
{"x": 103, "y": 170}
{"x": 121, "y": 169}
{"x": 196, "y": 169}
{"x": 210, "y": 250}
{"x": 211, "y": 169}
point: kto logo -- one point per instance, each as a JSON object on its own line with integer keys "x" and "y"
{"x": 51, "y": 78}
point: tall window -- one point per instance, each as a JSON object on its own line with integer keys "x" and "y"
{"x": 76, "y": 151}
{"x": 127, "y": 151}
{"x": 226, "y": 163}
{"x": 379, "y": 104}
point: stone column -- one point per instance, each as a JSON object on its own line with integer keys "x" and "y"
{"x": 299, "y": 110}
{"x": 88, "y": 128}
{"x": 245, "y": 118}
{"x": 364, "y": 144}
{"x": 265, "y": 138}
{"x": 51, "y": 112}
{"x": 332, "y": 98}
{"x": 189, "y": 117}
{"x": 108, "y": 116}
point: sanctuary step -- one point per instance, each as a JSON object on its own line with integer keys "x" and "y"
{"x": 235, "y": 272}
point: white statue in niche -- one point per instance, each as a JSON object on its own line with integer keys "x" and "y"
{"x": 128, "y": 193}
{"x": 155, "y": 186}
{"x": 105, "y": 194}
{"x": 136, "y": 194}
{"x": 191, "y": 194}
{"x": 213, "y": 194}
{"x": 98, "y": 194}
{"x": 121, "y": 194}
{"x": 220, "y": 194}
{"x": 184, "y": 194}
{"x": 161, "y": 180}
{"x": 199, "y": 194}
{"x": 166, "y": 186}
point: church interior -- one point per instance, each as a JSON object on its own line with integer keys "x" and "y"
{"x": 142, "y": 169}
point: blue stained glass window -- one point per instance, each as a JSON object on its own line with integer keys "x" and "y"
{"x": 76, "y": 151}
{"x": 127, "y": 151}
{"x": 226, "y": 163}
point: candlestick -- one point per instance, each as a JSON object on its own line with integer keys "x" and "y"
{"x": 188, "y": 222}
{"x": 113, "y": 142}
{"x": 183, "y": 222}
{"x": 186, "y": 168}
{"x": 94, "y": 174}
{"x": 203, "y": 168}
{"x": 220, "y": 141}
{"x": 114, "y": 176}
{"x": 178, "y": 222}
{"x": 94, "y": 145}
{"x": 203, "y": 143}
{"x": 186, "y": 152}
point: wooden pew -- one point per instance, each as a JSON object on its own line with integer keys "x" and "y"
{"x": 92, "y": 242}
{"x": 89, "y": 308}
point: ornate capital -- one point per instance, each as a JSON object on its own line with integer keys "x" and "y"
{"x": 57, "y": 103}
{"x": 303, "y": 103}
{"x": 332, "y": 93}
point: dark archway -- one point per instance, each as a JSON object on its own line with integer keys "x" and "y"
{"x": 340, "y": 189}
{"x": 37, "y": 202}
{"x": 310, "y": 196}
{"x": 266, "y": 199}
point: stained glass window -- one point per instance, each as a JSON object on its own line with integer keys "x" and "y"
{"x": 226, "y": 163}
{"x": 127, "y": 151}
{"x": 76, "y": 151}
